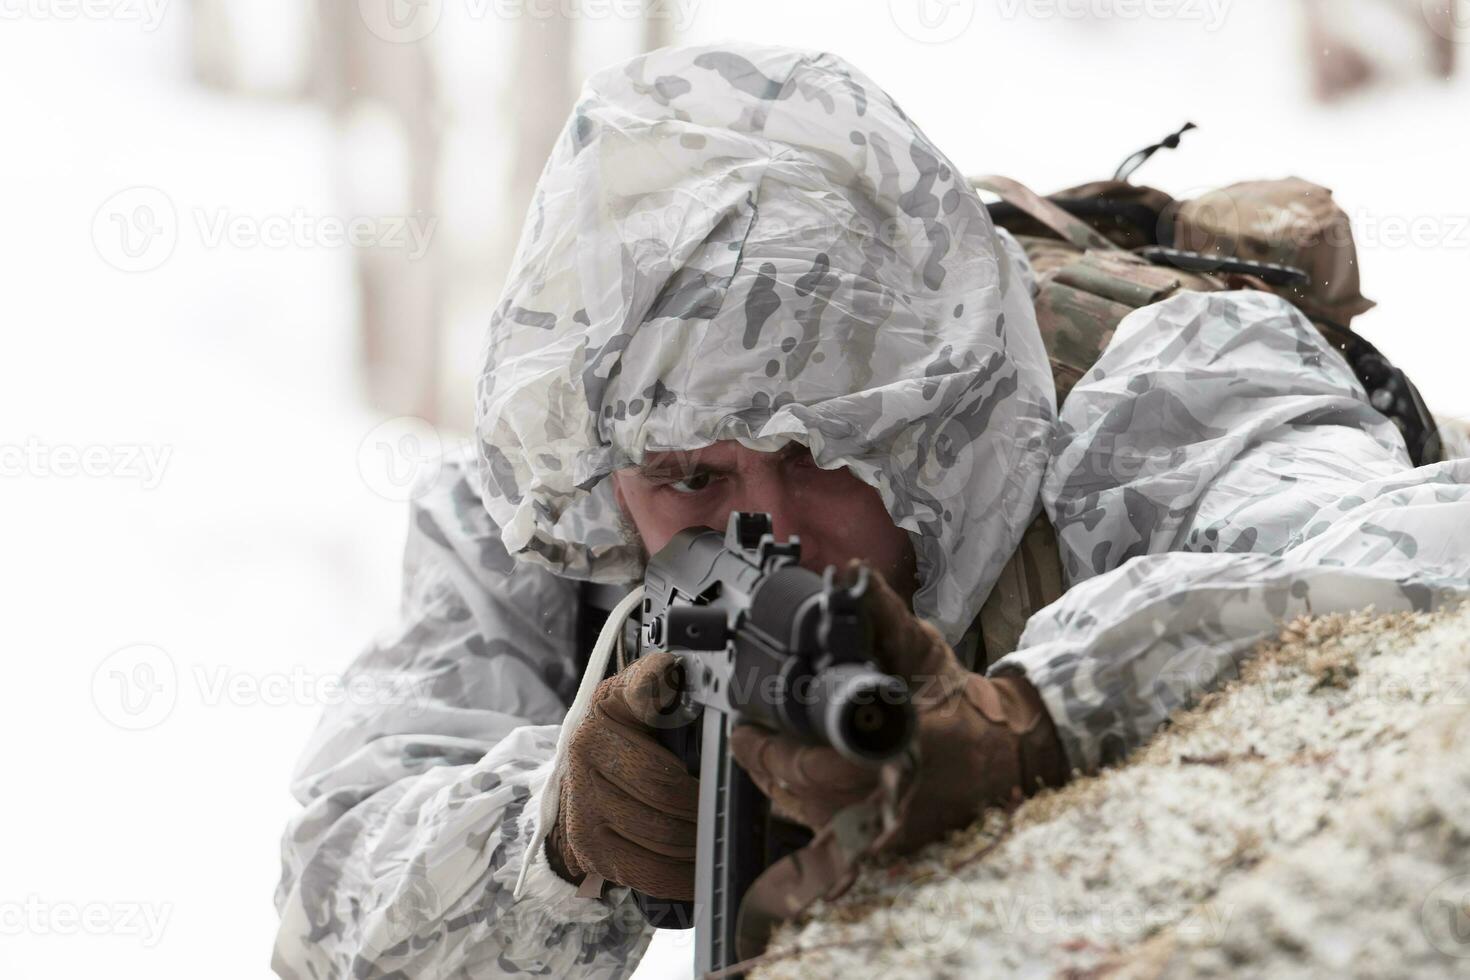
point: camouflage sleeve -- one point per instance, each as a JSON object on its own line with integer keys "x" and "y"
{"x": 420, "y": 789}
{"x": 1218, "y": 472}
{"x": 1019, "y": 261}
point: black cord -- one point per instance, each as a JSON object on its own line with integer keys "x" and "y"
{"x": 1170, "y": 142}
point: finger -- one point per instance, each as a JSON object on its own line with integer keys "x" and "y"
{"x": 903, "y": 644}
{"x": 632, "y": 760}
{"x": 810, "y": 811}
{"x": 645, "y": 692}
{"x": 597, "y": 812}
{"x": 635, "y": 820}
{"x": 787, "y": 769}
{"x": 893, "y": 622}
{"x": 622, "y": 861}
{"x": 748, "y": 744}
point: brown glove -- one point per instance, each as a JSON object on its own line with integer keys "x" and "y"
{"x": 982, "y": 741}
{"x": 628, "y": 806}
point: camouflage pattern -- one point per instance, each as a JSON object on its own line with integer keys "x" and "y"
{"x": 1047, "y": 214}
{"x": 727, "y": 243}
{"x": 1082, "y": 299}
{"x": 418, "y": 808}
{"x": 1218, "y": 470}
{"x": 757, "y": 244}
{"x": 1293, "y": 222}
{"x": 1031, "y": 581}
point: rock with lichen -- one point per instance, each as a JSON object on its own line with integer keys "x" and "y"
{"x": 1310, "y": 819}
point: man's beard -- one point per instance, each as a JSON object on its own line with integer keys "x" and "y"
{"x": 629, "y": 530}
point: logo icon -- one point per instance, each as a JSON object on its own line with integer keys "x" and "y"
{"x": 931, "y": 918}
{"x": 1450, "y": 19}
{"x": 932, "y": 21}
{"x": 1191, "y": 672}
{"x": 400, "y": 457}
{"x": 398, "y": 908}
{"x": 1445, "y": 917}
{"x": 401, "y": 21}
{"x": 136, "y": 688}
{"x": 136, "y": 230}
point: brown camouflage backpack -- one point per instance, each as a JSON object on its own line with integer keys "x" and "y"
{"x": 1105, "y": 249}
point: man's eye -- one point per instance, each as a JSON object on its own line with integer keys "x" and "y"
{"x": 691, "y": 484}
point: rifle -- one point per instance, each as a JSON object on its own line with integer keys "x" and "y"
{"x": 759, "y": 639}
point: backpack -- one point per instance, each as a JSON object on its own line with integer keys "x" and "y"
{"x": 1105, "y": 249}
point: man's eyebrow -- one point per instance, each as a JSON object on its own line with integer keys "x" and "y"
{"x": 663, "y": 464}
{"x": 666, "y": 464}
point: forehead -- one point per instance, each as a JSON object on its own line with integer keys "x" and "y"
{"x": 727, "y": 454}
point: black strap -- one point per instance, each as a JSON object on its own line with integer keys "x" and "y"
{"x": 595, "y": 604}
{"x": 1271, "y": 273}
{"x": 1170, "y": 142}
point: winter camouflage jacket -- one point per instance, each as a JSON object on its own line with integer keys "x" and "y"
{"x": 757, "y": 244}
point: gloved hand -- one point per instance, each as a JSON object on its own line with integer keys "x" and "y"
{"x": 628, "y": 806}
{"x": 982, "y": 741}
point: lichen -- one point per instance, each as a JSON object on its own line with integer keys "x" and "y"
{"x": 1310, "y": 818}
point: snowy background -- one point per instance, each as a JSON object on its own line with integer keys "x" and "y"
{"x": 202, "y": 508}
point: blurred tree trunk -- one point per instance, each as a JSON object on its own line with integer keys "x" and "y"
{"x": 365, "y": 80}
{"x": 1347, "y": 40}
{"x": 211, "y": 44}
{"x": 658, "y": 27}
{"x": 540, "y": 100}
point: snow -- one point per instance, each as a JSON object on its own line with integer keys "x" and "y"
{"x": 255, "y": 568}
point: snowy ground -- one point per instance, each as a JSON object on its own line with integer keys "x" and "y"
{"x": 1311, "y": 820}
{"x": 238, "y": 522}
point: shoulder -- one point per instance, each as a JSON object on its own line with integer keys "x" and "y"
{"x": 448, "y": 518}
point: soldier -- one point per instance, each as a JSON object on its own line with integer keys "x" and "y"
{"x": 748, "y": 281}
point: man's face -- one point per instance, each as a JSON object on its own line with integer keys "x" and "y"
{"x": 837, "y": 516}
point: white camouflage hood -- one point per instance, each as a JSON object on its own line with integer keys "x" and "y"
{"x": 753, "y": 243}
